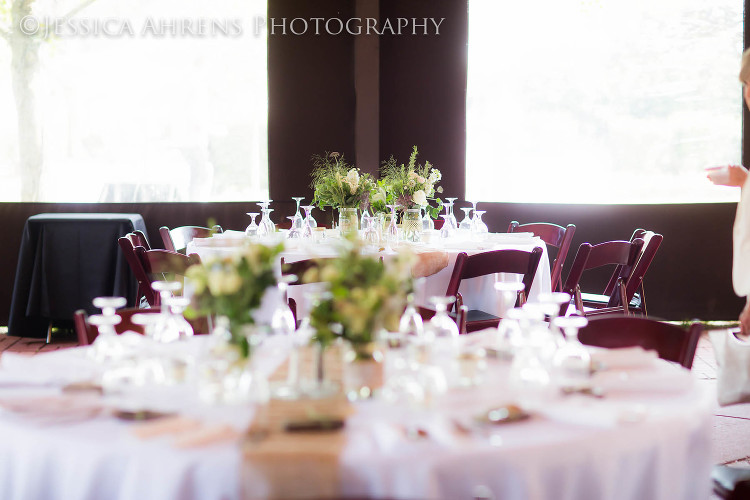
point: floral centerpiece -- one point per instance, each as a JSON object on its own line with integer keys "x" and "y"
{"x": 411, "y": 186}
{"x": 233, "y": 287}
{"x": 364, "y": 295}
{"x": 340, "y": 186}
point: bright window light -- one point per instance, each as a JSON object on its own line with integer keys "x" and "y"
{"x": 602, "y": 101}
{"x": 138, "y": 101}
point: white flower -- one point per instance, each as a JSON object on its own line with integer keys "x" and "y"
{"x": 221, "y": 282}
{"x": 410, "y": 183}
{"x": 379, "y": 195}
{"x": 435, "y": 175}
{"x": 353, "y": 178}
{"x": 421, "y": 179}
{"x": 419, "y": 198}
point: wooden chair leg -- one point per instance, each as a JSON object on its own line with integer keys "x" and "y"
{"x": 49, "y": 333}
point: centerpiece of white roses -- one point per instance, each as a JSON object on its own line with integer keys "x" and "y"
{"x": 413, "y": 187}
{"x": 340, "y": 186}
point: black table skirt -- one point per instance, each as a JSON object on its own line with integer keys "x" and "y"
{"x": 66, "y": 260}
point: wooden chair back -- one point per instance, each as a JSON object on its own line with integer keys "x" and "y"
{"x": 177, "y": 239}
{"x": 620, "y": 254}
{"x": 670, "y": 341}
{"x": 160, "y": 265}
{"x": 555, "y": 236}
{"x": 511, "y": 261}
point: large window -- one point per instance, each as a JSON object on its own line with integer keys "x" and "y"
{"x": 144, "y": 100}
{"x": 602, "y": 101}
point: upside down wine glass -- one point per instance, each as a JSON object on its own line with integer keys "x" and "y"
{"x": 572, "y": 362}
{"x": 466, "y": 222}
{"x": 391, "y": 233}
{"x": 252, "y": 229}
{"x": 297, "y": 220}
{"x": 307, "y": 228}
{"x": 452, "y": 218}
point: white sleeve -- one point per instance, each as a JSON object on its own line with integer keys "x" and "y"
{"x": 741, "y": 244}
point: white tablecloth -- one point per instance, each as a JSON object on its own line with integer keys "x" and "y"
{"x": 649, "y": 438}
{"x": 478, "y": 293}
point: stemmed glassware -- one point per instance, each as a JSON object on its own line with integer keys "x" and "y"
{"x": 165, "y": 329}
{"x": 105, "y": 344}
{"x": 452, "y": 218}
{"x": 252, "y": 229}
{"x": 391, "y": 233}
{"x": 572, "y": 362}
{"x": 466, "y": 223}
{"x": 309, "y": 220}
{"x": 479, "y": 227}
{"x": 370, "y": 234}
{"x": 307, "y": 228}
{"x": 427, "y": 224}
{"x": 177, "y": 306}
{"x": 447, "y": 230}
{"x": 283, "y": 323}
{"x": 266, "y": 226}
{"x": 294, "y": 231}
{"x": 365, "y": 214}
{"x": 297, "y": 220}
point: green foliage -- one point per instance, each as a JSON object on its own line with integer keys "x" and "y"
{"x": 233, "y": 287}
{"x": 338, "y": 184}
{"x": 364, "y": 295}
{"x": 413, "y": 185}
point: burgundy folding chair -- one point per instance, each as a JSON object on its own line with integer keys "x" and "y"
{"x": 128, "y": 244}
{"x": 177, "y": 239}
{"x": 554, "y": 236}
{"x": 467, "y": 266}
{"x": 87, "y": 332}
{"x": 670, "y": 341}
{"x": 622, "y": 255}
{"x": 634, "y": 292}
{"x": 161, "y": 265}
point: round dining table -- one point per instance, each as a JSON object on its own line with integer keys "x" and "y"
{"x": 644, "y": 434}
{"x": 439, "y": 255}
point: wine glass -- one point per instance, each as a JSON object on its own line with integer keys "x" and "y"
{"x": 284, "y": 324}
{"x": 177, "y": 306}
{"x": 297, "y": 220}
{"x": 307, "y": 229}
{"x": 164, "y": 329}
{"x": 370, "y": 234}
{"x": 556, "y": 301}
{"x": 294, "y": 231}
{"x": 446, "y": 231}
{"x": 427, "y": 224}
{"x": 252, "y": 229}
{"x": 442, "y": 326}
{"x": 365, "y": 214}
{"x": 479, "y": 227}
{"x": 391, "y": 233}
{"x": 309, "y": 218}
{"x": 454, "y": 222}
{"x": 410, "y": 324}
{"x": 466, "y": 223}
{"x": 509, "y": 294}
{"x": 266, "y": 226}
{"x": 572, "y": 362}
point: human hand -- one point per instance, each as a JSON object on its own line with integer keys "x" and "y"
{"x": 729, "y": 175}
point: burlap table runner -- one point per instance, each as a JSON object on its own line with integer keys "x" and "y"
{"x": 280, "y": 464}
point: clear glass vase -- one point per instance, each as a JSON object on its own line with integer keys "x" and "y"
{"x": 363, "y": 371}
{"x": 412, "y": 225}
{"x": 348, "y": 220}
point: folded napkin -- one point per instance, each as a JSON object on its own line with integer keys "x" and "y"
{"x": 429, "y": 263}
{"x": 53, "y": 368}
{"x": 621, "y": 358}
{"x": 645, "y": 381}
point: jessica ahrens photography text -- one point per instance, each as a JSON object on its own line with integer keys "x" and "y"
{"x": 227, "y": 27}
